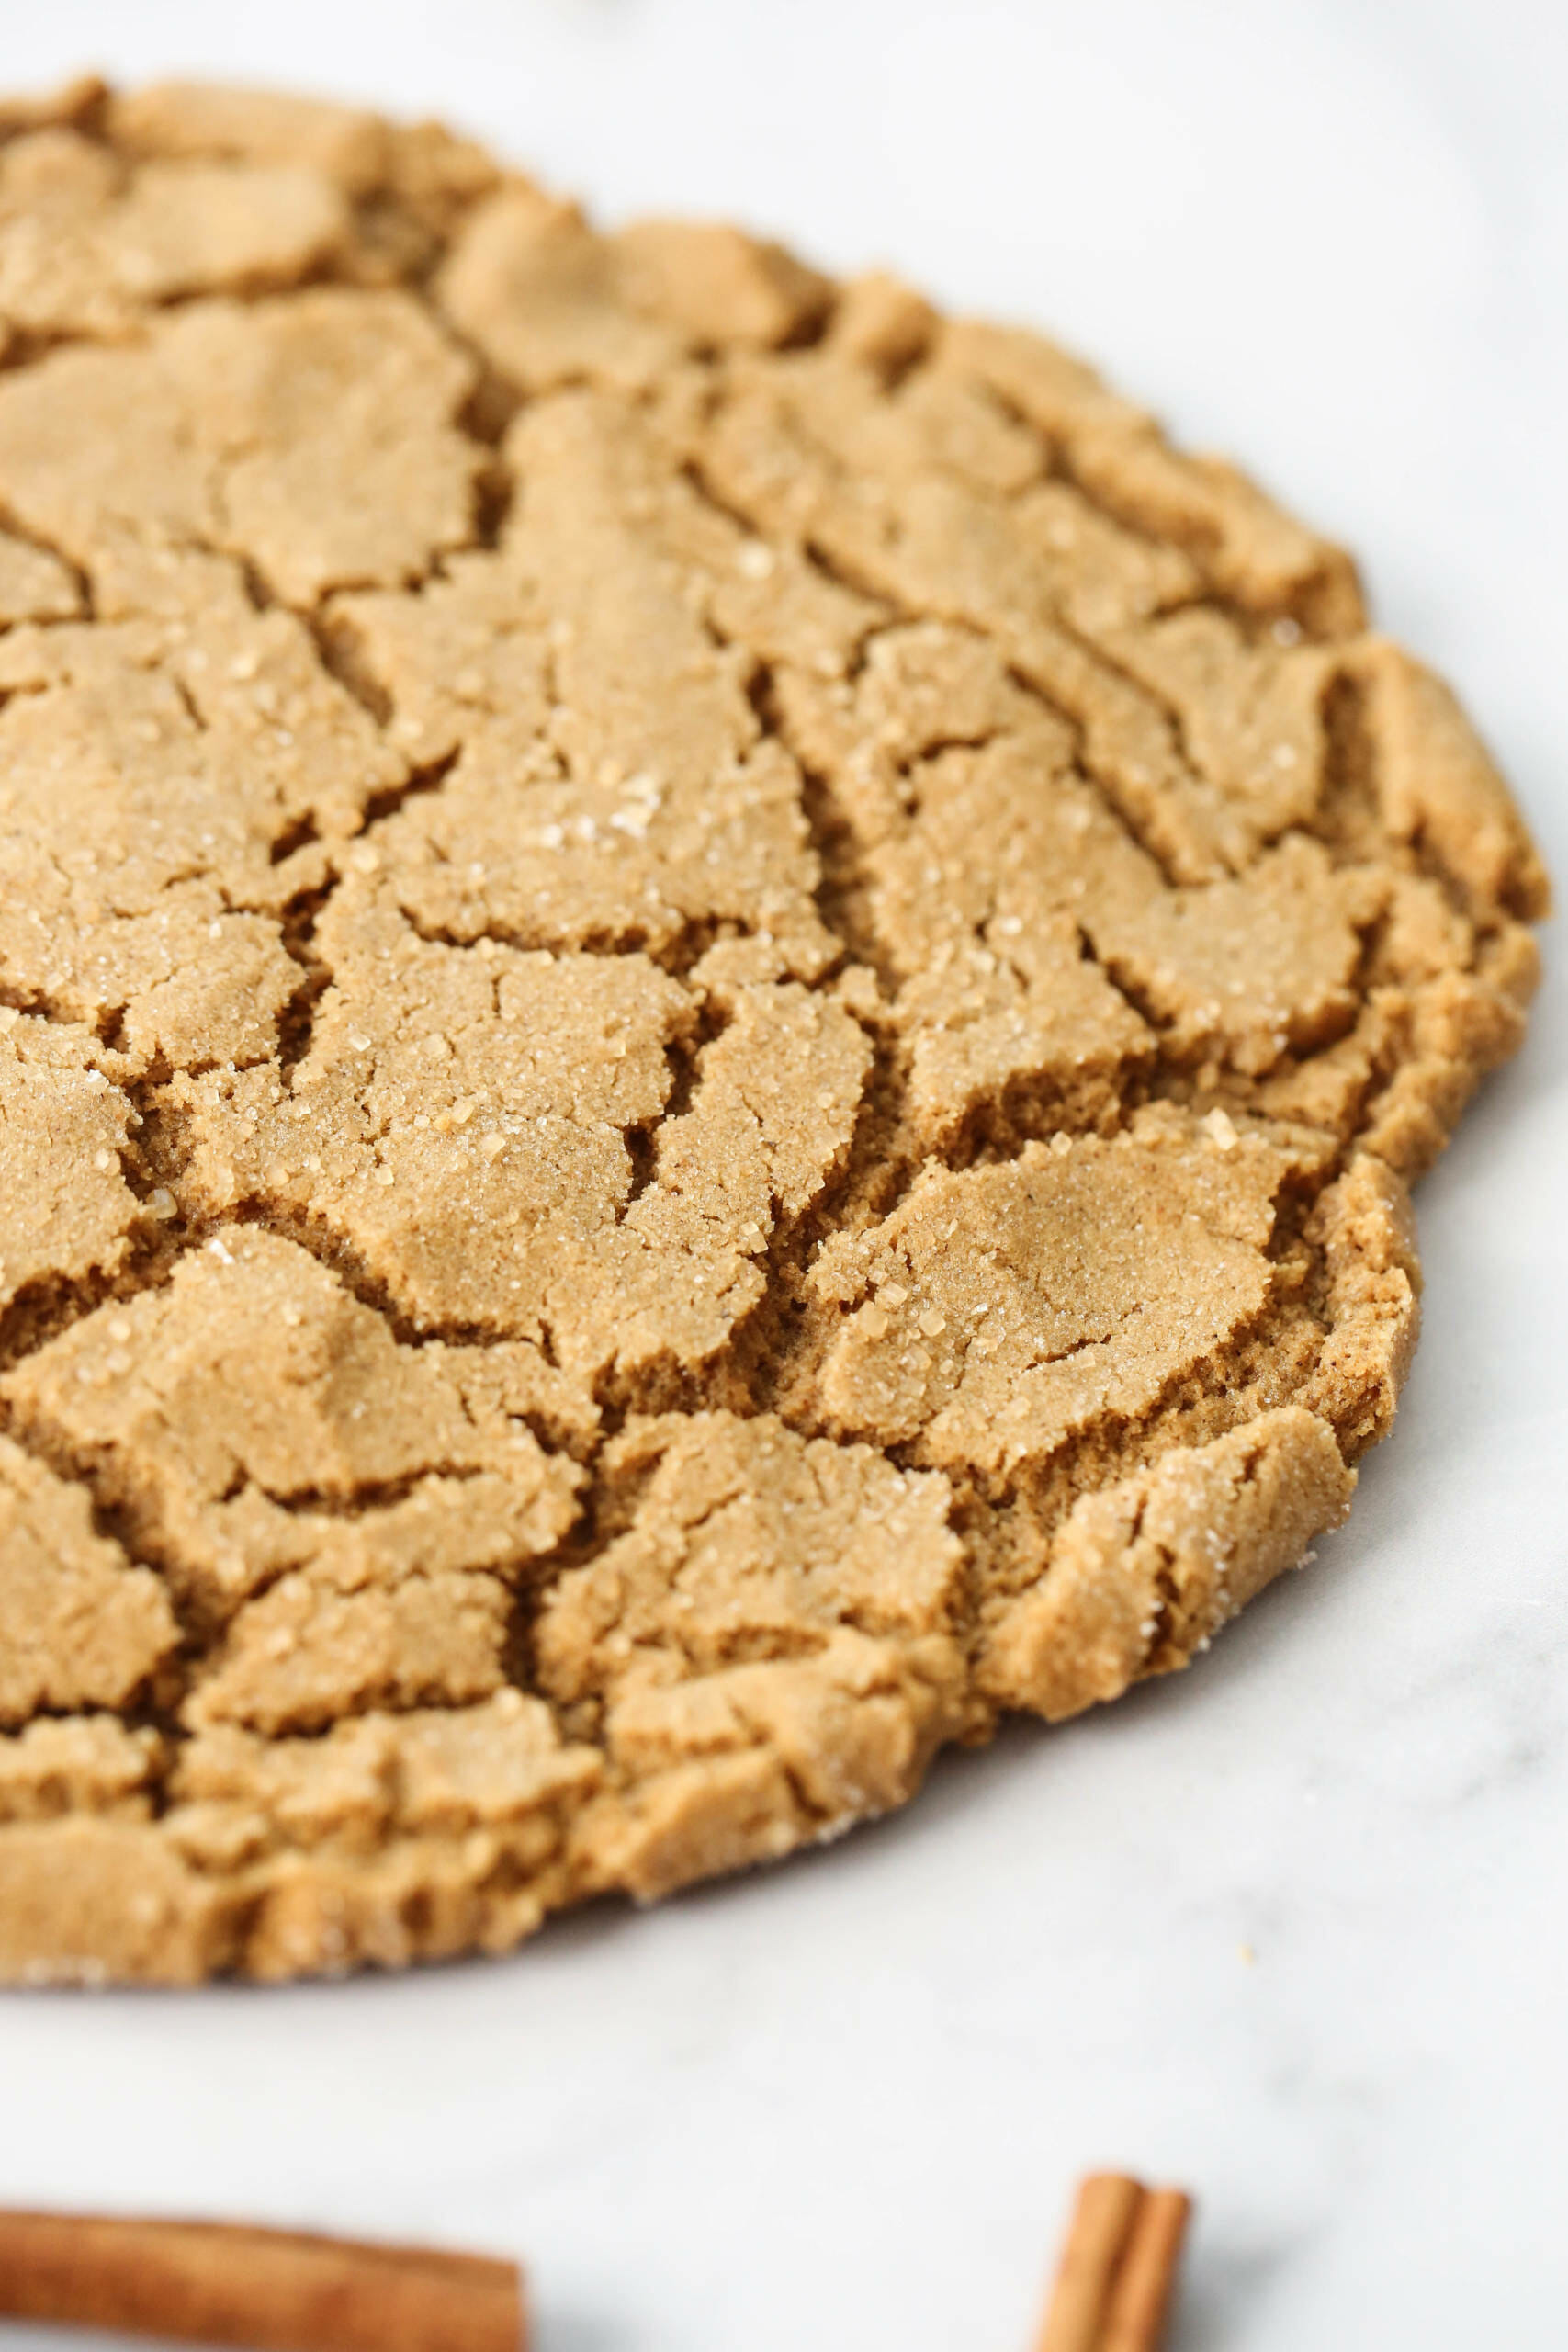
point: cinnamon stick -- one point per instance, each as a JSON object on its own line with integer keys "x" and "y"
{"x": 1140, "y": 2298}
{"x": 275, "y": 2289}
{"x": 1103, "y": 2222}
{"x": 1118, "y": 2268}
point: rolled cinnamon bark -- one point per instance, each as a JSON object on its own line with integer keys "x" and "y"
{"x": 1103, "y": 2222}
{"x": 278, "y": 2291}
{"x": 1145, "y": 2277}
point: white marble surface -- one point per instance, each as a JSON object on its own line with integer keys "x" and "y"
{"x": 840, "y": 2105}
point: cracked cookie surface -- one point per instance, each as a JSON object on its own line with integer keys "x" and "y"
{"x": 715, "y": 1004}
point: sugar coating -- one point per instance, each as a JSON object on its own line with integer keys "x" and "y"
{"x": 715, "y": 1004}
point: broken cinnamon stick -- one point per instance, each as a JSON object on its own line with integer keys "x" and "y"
{"x": 278, "y": 2291}
{"x": 1118, "y": 2268}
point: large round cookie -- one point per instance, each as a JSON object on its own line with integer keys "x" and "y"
{"x": 715, "y": 998}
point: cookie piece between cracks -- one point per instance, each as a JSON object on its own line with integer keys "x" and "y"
{"x": 340, "y": 1519}
{"x": 461, "y": 1122}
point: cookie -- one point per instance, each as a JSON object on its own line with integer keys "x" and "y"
{"x": 715, "y": 999}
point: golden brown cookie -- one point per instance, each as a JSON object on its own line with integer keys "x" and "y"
{"x": 713, "y": 1003}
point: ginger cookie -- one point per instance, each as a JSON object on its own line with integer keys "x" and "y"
{"x": 715, "y": 1000}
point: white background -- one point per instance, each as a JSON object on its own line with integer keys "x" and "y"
{"x": 841, "y": 2104}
